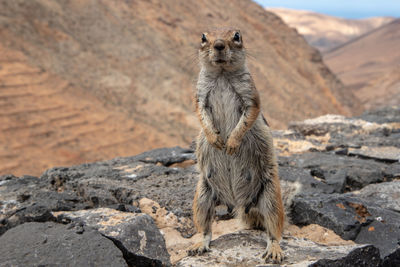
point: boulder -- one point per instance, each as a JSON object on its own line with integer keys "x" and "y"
{"x": 135, "y": 234}
{"x": 388, "y": 154}
{"x": 27, "y": 199}
{"x": 365, "y": 216}
{"x": 384, "y": 195}
{"x": 392, "y": 260}
{"x": 339, "y": 172}
{"x": 51, "y": 244}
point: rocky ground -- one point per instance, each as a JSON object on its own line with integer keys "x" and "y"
{"x": 136, "y": 211}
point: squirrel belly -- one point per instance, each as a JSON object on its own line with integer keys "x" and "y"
{"x": 234, "y": 178}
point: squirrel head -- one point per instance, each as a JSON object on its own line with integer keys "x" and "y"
{"x": 222, "y": 49}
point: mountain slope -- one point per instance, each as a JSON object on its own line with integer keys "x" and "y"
{"x": 137, "y": 58}
{"x": 47, "y": 121}
{"x": 382, "y": 91}
{"x": 327, "y": 32}
{"x": 369, "y": 65}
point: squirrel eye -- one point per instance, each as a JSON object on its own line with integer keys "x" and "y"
{"x": 236, "y": 37}
{"x": 203, "y": 38}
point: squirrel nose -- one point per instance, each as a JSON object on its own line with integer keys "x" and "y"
{"x": 219, "y": 45}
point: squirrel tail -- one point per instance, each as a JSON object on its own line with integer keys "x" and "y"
{"x": 289, "y": 190}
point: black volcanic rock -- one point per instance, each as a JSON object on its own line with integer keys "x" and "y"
{"x": 331, "y": 211}
{"x": 165, "y": 156}
{"x": 389, "y": 154}
{"x": 27, "y": 199}
{"x": 343, "y": 173}
{"x": 359, "y": 216}
{"x": 136, "y": 235}
{"x": 384, "y": 195}
{"x": 51, "y": 244}
{"x": 306, "y": 178}
{"x": 364, "y": 256}
{"x": 392, "y": 260}
{"x": 382, "y": 115}
{"x": 126, "y": 180}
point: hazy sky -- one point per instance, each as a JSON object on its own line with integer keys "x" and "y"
{"x": 341, "y": 8}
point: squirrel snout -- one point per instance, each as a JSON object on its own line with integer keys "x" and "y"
{"x": 219, "y": 45}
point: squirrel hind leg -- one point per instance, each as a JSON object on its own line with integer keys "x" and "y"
{"x": 268, "y": 215}
{"x": 273, "y": 223}
{"x": 255, "y": 220}
{"x": 203, "y": 215}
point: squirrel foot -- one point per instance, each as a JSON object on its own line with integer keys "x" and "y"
{"x": 274, "y": 252}
{"x": 198, "y": 249}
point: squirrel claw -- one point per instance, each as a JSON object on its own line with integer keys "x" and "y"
{"x": 274, "y": 252}
{"x": 232, "y": 150}
{"x": 232, "y": 146}
{"x": 218, "y": 143}
{"x": 198, "y": 249}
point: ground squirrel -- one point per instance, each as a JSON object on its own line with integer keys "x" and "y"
{"x": 234, "y": 149}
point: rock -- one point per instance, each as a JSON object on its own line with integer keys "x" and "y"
{"x": 354, "y": 216}
{"x": 51, "y": 244}
{"x": 326, "y": 124}
{"x": 384, "y": 204}
{"x": 392, "y": 260}
{"x": 136, "y": 235}
{"x": 385, "y": 235}
{"x": 126, "y": 180}
{"x": 342, "y": 173}
{"x": 165, "y": 156}
{"x": 310, "y": 183}
{"x": 125, "y": 208}
{"x": 382, "y": 115}
{"x": 245, "y": 248}
{"x": 380, "y": 128}
{"x": 384, "y": 195}
{"x": 27, "y": 199}
{"x": 364, "y": 256}
{"x": 382, "y": 137}
{"x": 14, "y": 191}
{"x": 331, "y": 211}
{"x": 388, "y": 154}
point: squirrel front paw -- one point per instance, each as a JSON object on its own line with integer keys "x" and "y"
{"x": 216, "y": 141}
{"x": 232, "y": 146}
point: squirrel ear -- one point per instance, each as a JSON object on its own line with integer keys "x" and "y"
{"x": 236, "y": 37}
{"x": 203, "y": 38}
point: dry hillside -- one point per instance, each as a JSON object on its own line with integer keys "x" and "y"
{"x": 113, "y": 66}
{"x": 370, "y": 65}
{"x": 46, "y": 121}
{"x": 327, "y": 32}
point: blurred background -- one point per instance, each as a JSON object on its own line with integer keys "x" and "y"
{"x": 87, "y": 80}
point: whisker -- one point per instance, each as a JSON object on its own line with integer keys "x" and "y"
{"x": 191, "y": 62}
